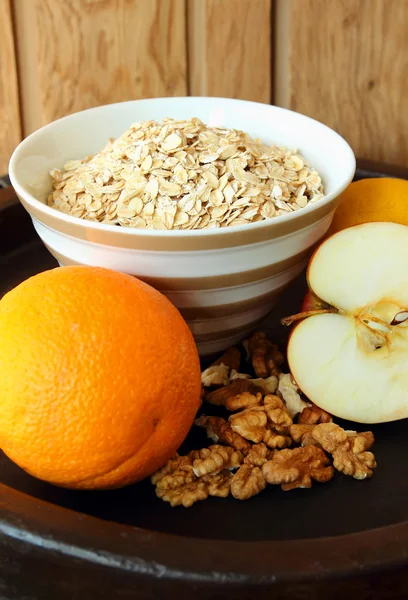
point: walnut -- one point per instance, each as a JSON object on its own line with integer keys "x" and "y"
{"x": 217, "y": 484}
{"x": 185, "y": 495}
{"x": 182, "y": 476}
{"x": 303, "y": 434}
{"x": 244, "y": 400}
{"x": 263, "y": 424}
{"x": 248, "y": 481}
{"x": 173, "y": 465}
{"x": 276, "y": 440}
{"x": 231, "y": 358}
{"x": 265, "y": 356}
{"x": 238, "y": 386}
{"x": 289, "y": 391}
{"x": 297, "y": 468}
{"x": 178, "y": 471}
{"x": 215, "y": 375}
{"x": 219, "y": 430}
{"x": 258, "y": 455}
{"x": 277, "y": 414}
{"x": 266, "y": 386}
{"x": 349, "y": 449}
{"x": 251, "y": 424}
{"x": 193, "y": 455}
{"x": 312, "y": 415}
{"x": 216, "y": 458}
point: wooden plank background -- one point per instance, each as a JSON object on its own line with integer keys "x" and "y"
{"x": 344, "y": 62}
{"x": 229, "y": 48}
{"x": 75, "y": 54}
{"x": 10, "y": 131}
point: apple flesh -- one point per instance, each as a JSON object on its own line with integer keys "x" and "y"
{"x": 348, "y": 352}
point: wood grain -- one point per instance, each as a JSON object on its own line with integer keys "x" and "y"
{"x": 10, "y": 131}
{"x": 345, "y": 62}
{"x": 75, "y": 54}
{"x": 229, "y": 48}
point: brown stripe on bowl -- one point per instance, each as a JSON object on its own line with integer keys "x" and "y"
{"x": 176, "y": 284}
{"x": 176, "y": 241}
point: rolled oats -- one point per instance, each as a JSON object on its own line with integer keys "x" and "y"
{"x": 184, "y": 175}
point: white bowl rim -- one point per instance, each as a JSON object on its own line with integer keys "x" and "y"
{"x": 40, "y": 206}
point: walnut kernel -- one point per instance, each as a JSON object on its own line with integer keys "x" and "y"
{"x": 349, "y": 451}
{"x": 297, "y": 468}
{"x": 219, "y": 430}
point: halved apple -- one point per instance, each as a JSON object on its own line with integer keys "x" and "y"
{"x": 349, "y": 351}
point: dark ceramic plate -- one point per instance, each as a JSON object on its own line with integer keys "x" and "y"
{"x": 335, "y": 538}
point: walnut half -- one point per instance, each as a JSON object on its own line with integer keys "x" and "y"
{"x": 349, "y": 450}
{"x": 265, "y": 356}
{"x": 244, "y": 400}
{"x": 220, "y": 396}
{"x": 258, "y": 455}
{"x": 214, "y": 459}
{"x": 174, "y": 465}
{"x": 247, "y": 482}
{"x": 297, "y": 468}
{"x": 217, "y": 484}
{"x": 312, "y": 415}
{"x": 303, "y": 434}
{"x": 268, "y": 423}
{"x": 219, "y": 430}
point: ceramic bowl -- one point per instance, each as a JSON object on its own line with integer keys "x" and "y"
{"x": 223, "y": 281}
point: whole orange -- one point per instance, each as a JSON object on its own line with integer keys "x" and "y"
{"x": 373, "y": 199}
{"x": 99, "y": 378}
